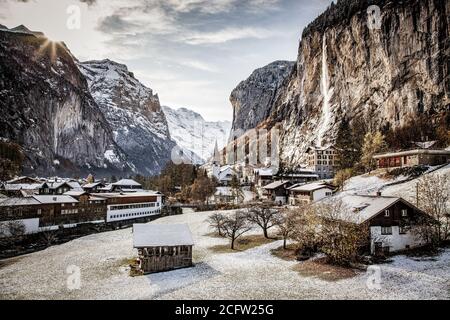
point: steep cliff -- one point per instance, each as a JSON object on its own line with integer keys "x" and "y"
{"x": 133, "y": 112}
{"x": 48, "y": 109}
{"x": 347, "y": 68}
{"x": 253, "y": 98}
{"x": 193, "y": 133}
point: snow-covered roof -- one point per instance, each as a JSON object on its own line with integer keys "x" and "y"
{"x": 275, "y": 185}
{"x": 20, "y": 178}
{"x": 363, "y": 208}
{"x": 310, "y": 187}
{"x": 56, "y": 185}
{"x": 126, "y": 182}
{"x": 47, "y": 199}
{"x": 75, "y": 186}
{"x": 157, "y": 235}
{"x": 6, "y": 202}
{"x": 74, "y": 193}
{"x": 92, "y": 185}
{"x": 21, "y": 186}
{"x": 108, "y": 187}
{"x": 223, "y": 191}
{"x": 267, "y": 172}
{"x": 128, "y": 195}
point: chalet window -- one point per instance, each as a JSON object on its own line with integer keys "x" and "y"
{"x": 387, "y": 213}
{"x": 404, "y": 212}
{"x": 39, "y": 211}
{"x": 386, "y": 231}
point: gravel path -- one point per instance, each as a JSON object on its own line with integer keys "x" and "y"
{"x": 253, "y": 274}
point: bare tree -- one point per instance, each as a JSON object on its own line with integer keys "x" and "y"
{"x": 342, "y": 235}
{"x": 433, "y": 197}
{"x": 285, "y": 222}
{"x": 216, "y": 222}
{"x": 16, "y": 228}
{"x": 49, "y": 237}
{"x": 235, "y": 226}
{"x": 263, "y": 216}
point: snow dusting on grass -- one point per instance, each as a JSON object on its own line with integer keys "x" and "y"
{"x": 251, "y": 274}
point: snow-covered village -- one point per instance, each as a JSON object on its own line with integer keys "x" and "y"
{"x": 328, "y": 177}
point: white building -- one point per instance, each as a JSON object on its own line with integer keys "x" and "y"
{"x": 392, "y": 221}
{"x": 128, "y": 206}
{"x": 307, "y": 193}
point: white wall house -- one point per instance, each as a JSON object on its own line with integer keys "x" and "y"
{"x": 392, "y": 221}
{"x": 307, "y": 193}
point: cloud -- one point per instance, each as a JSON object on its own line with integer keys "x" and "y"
{"x": 225, "y": 35}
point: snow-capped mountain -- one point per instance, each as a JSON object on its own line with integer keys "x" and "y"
{"x": 133, "y": 112}
{"x": 192, "y": 132}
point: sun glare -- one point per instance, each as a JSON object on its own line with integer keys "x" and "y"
{"x": 50, "y": 47}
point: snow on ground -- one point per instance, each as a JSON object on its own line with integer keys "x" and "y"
{"x": 252, "y": 274}
{"x": 369, "y": 184}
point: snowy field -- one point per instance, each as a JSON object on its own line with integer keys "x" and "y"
{"x": 252, "y": 274}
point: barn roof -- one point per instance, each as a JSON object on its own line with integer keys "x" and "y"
{"x": 160, "y": 235}
{"x": 126, "y": 182}
{"x": 311, "y": 187}
{"x": 364, "y": 208}
{"x": 275, "y": 185}
{"x": 48, "y": 199}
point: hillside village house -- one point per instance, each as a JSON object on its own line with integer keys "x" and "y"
{"x": 162, "y": 247}
{"x": 222, "y": 195}
{"x": 391, "y": 221}
{"x": 93, "y": 187}
{"x": 66, "y": 204}
{"x": 20, "y": 190}
{"x": 54, "y": 188}
{"x": 412, "y": 158}
{"x": 277, "y": 191}
{"x": 323, "y": 161}
{"x": 308, "y": 193}
{"x": 223, "y": 174}
{"x": 23, "y": 180}
{"x": 264, "y": 176}
{"x": 299, "y": 176}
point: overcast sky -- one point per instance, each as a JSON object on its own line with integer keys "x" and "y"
{"x": 191, "y": 52}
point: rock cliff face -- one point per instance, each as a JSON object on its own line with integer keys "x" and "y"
{"x": 48, "y": 109}
{"x": 195, "y": 134}
{"x": 134, "y": 114}
{"x": 346, "y": 68}
{"x": 253, "y": 99}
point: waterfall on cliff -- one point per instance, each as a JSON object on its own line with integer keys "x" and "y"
{"x": 327, "y": 94}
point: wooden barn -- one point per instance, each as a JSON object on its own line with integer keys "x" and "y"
{"x": 163, "y": 247}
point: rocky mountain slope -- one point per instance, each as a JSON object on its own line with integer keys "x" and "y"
{"x": 134, "y": 113}
{"x": 48, "y": 110}
{"x": 346, "y": 68}
{"x": 253, "y": 98}
{"x": 193, "y": 133}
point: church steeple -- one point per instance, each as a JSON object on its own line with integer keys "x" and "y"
{"x": 216, "y": 155}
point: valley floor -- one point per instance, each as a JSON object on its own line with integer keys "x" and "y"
{"x": 252, "y": 274}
